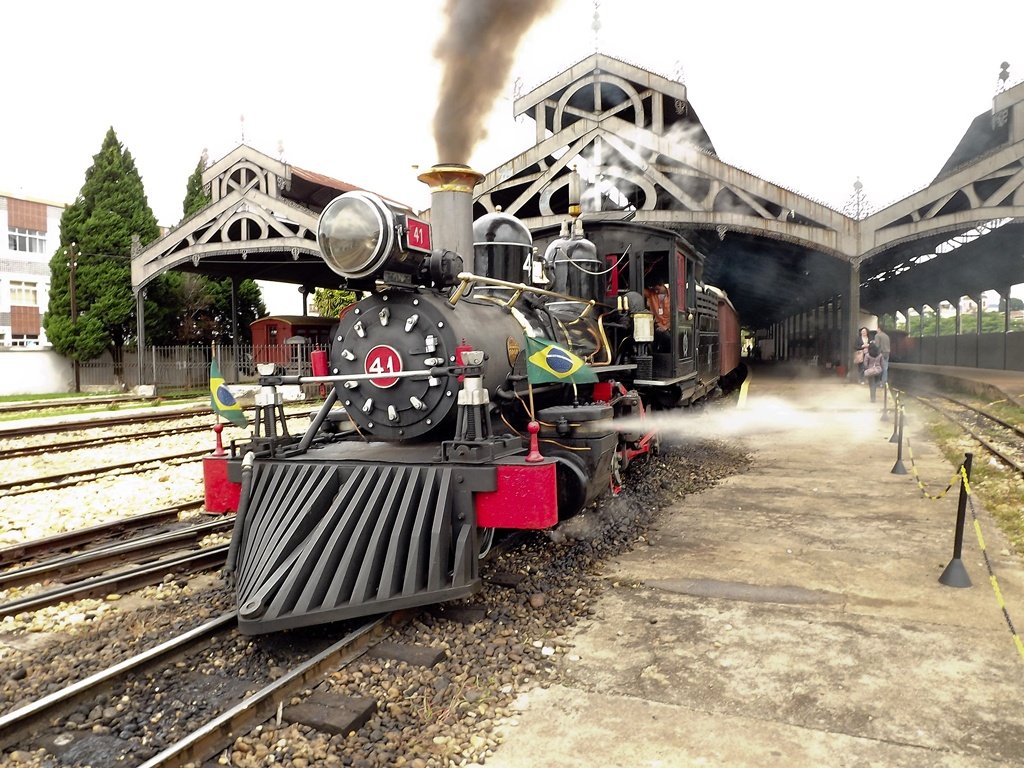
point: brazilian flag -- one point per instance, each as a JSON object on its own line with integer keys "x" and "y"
{"x": 221, "y": 400}
{"x": 547, "y": 361}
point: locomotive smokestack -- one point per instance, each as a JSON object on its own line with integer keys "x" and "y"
{"x": 451, "y": 208}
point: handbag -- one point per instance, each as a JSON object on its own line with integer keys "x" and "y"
{"x": 858, "y": 356}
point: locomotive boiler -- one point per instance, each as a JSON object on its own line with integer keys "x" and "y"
{"x": 478, "y": 384}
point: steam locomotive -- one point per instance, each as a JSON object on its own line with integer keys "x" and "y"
{"x": 490, "y": 378}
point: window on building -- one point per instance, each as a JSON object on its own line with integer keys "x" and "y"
{"x": 24, "y": 294}
{"x": 26, "y": 240}
{"x": 24, "y": 340}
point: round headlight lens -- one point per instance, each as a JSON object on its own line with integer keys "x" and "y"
{"x": 356, "y": 232}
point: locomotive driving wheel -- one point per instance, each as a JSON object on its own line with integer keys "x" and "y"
{"x": 615, "y": 470}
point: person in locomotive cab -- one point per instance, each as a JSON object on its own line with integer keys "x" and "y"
{"x": 659, "y": 301}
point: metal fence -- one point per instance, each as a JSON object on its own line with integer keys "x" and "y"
{"x": 188, "y": 367}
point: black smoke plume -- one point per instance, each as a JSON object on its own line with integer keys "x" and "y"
{"x": 477, "y": 51}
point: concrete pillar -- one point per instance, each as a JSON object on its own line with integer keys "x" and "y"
{"x": 852, "y": 314}
{"x": 140, "y": 332}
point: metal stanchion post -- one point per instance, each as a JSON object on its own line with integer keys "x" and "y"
{"x": 898, "y": 468}
{"x": 885, "y": 402}
{"x": 955, "y": 575}
{"x": 897, "y": 408}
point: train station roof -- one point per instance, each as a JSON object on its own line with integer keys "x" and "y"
{"x": 638, "y": 139}
{"x": 260, "y": 224}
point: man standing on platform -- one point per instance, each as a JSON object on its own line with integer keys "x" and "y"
{"x": 882, "y": 342}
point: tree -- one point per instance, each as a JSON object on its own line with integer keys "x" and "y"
{"x": 195, "y": 193}
{"x": 96, "y": 238}
{"x": 329, "y": 302}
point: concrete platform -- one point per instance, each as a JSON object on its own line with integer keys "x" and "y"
{"x": 792, "y": 615}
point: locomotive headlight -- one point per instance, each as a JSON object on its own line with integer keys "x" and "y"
{"x": 356, "y": 233}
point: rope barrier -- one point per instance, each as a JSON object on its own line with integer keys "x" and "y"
{"x": 991, "y": 573}
{"x": 963, "y": 474}
{"x": 899, "y": 415}
{"x": 920, "y": 484}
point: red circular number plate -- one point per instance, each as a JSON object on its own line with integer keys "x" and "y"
{"x": 383, "y": 360}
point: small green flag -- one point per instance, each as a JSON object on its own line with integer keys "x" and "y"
{"x": 221, "y": 399}
{"x": 547, "y": 361}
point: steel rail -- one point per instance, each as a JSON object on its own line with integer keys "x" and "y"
{"x": 994, "y": 450}
{"x": 221, "y": 731}
{"x": 64, "y": 479}
{"x": 982, "y": 412}
{"x": 70, "y": 539}
{"x": 100, "y": 559}
{"x": 110, "y": 421}
{"x": 77, "y": 402}
{"x": 75, "y": 445}
{"x": 188, "y": 412}
{"x": 31, "y": 717}
{"x": 146, "y": 575}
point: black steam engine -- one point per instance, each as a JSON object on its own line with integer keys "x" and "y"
{"x": 479, "y": 384}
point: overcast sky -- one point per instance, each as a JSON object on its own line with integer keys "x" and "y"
{"x": 809, "y": 95}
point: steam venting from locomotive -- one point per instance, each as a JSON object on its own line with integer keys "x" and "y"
{"x": 477, "y": 50}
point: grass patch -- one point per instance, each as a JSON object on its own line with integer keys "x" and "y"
{"x": 998, "y": 487}
{"x": 54, "y": 396}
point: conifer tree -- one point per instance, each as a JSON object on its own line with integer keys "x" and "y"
{"x": 95, "y": 245}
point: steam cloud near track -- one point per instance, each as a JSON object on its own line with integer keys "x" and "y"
{"x": 763, "y": 415}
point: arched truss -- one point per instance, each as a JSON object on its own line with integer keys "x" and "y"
{"x": 990, "y": 188}
{"x": 671, "y": 184}
{"x": 249, "y": 228}
{"x": 635, "y": 135}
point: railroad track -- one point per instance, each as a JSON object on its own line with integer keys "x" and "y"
{"x": 70, "y": 477}
{"x": 27, "y": 430}
{"x": 205, "y": 737}
{"x": 16, "y": 432}
{"x": 96, "y": 442}
{"x": 95, "y": 534}
{"x": 1002, "y": 439}
{"x": 137, "y": 577}
{"x": 82, "y": 402}
{"x": 100, "y": 559}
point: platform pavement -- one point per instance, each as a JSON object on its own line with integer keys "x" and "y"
{"x": 792, "y": 615}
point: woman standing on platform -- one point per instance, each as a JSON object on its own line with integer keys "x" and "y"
{"x": 873, "y": 367}
{"x": 860, "y": 349}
